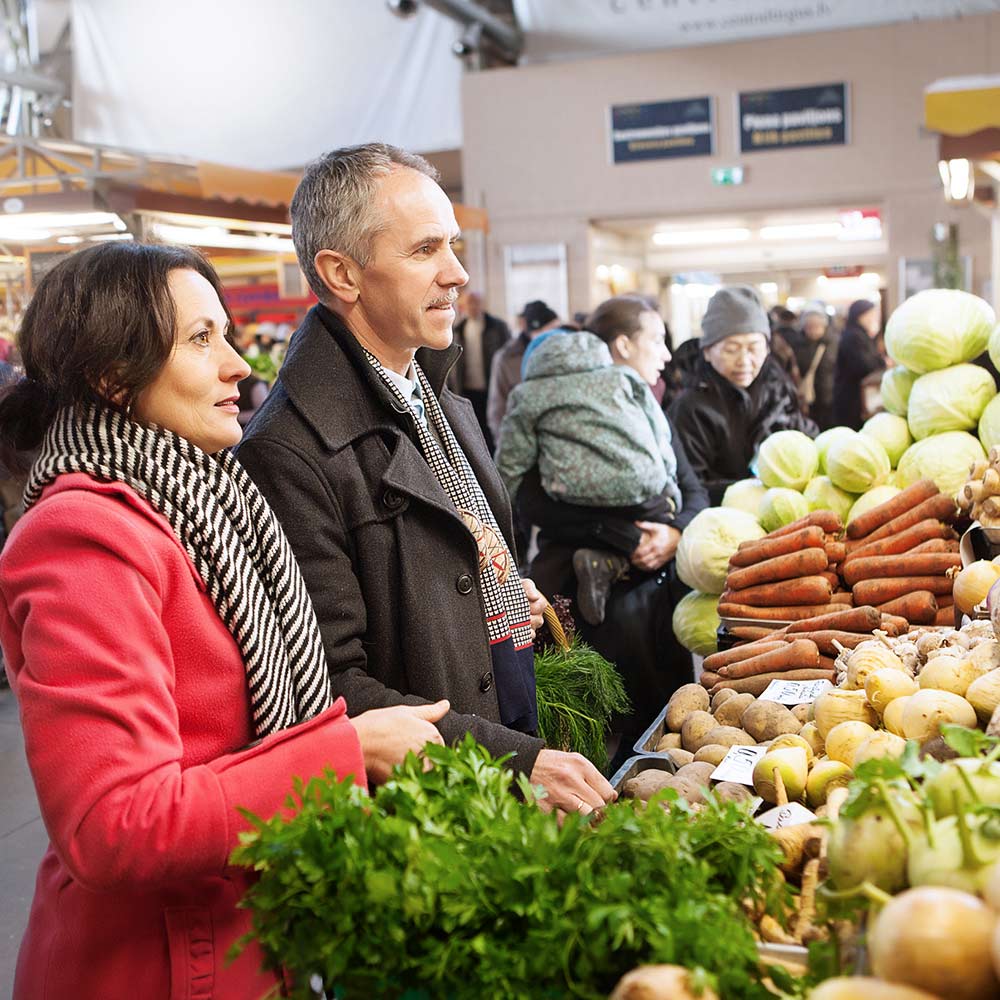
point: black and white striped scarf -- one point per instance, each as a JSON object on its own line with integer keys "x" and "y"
{"x": 232, "y": 537}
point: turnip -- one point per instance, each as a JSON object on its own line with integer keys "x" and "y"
{"x": 936, "y": 939}
{"x": 880, "y": 744}
{"x": 957, "y": 851}
{"x": 866, "y": 988}
{"x": 825, "y": 776}
{"x": 837, "y": 705}
{"x": 963, "y": 782}
{"x": 844, "y": 739}
{"x": 887, "y": 684}
{"x": 948, "y": 673}
{"x": 650, "y": 981}
{"x": 927, "y": 710}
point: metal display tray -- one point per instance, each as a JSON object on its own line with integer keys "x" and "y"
{"x": 636, "y": 765}
{"x": 646, "y": 744}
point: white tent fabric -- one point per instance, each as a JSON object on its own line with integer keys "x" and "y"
{"x": 253, "y": 83}
{"x": 572, "y": 29}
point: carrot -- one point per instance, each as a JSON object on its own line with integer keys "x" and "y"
{"x": 760, "y": 549}
{"x": 879, "y": 591}
{"x": 859, "y": 619}
{"x": 832, "y": 578}
{"x": 842, "y": 597}
{"x": 709, "y": 678}
{"x": 785, "y": 567}
{"x": 786, "y": 614}
{"x": 805, "y": 590}
{"x": 828, "y": 663}
{"x": 894, "y": 625}
{"x": 864, "y": 524}
{"x": 836, "y": 552}
{"x": 751, "y": 632}
{"x": 936, "y": 545}
{"x": 945, "y": 616}
{"x": 825, "y": 639}
{"x": 904, "y": 541}
{"x": 726, "y": 656}
{"x": 758, "y": 685}
{"x": 918, "y": 608}
{"x": 825, "y": 519}
{"x": 799, "y": 655}
{"x": 945, "y": 600}
{"x": 941, "y": 508}
{"x": 903, "y": 564}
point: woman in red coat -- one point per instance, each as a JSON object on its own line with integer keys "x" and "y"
{"x": 164, "y": 654}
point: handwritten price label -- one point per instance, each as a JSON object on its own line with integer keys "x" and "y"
{"x": 738, "y": 765}
{"x": 790, "y": 815}
{"x": 794, "y": 692}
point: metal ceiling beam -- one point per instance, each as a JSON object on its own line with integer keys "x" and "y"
{"x": 507, "y": 37}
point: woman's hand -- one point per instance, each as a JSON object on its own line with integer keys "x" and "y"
{"x": 656, "y": 546}
{"x": 387, "y": 735}
{"x": 536, "y": 602}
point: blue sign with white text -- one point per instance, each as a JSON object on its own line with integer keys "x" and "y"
{"x": 662, "y": 130}
{"x": 784, "y": 119}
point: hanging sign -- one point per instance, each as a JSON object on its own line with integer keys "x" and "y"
{"x": 662, "y": 130}
{"x": 784, "y": 119}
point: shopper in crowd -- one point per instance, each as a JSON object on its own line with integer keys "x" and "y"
{"x": 857, "y": 357}
{"x": 814, "y": 342}
{"x": 506, "y": 372}
{"x": 480, "y": 335}
{"x": 597, "y": 435}
{"x": 784, "y": 331}
{"x": 163, "y": 651}
{"x": 637, "y": 633}
{"x": 382, "y": 478}
{"x": 742, "y": 394}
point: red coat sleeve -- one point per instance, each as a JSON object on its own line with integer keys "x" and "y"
{"x": 81, "y": 618}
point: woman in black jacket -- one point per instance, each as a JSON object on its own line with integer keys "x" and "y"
{"x": 857, "y": 357}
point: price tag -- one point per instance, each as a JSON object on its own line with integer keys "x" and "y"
{"x": 738, "y": 765}
{"x": 794, "y": 692}
{"x": 790, "y": 815}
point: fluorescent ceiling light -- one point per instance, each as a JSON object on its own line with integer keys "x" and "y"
{"x": 109, "y": 237}
{"x": 60, "y": 220}
{"x": 198, "y": 221}
{"x": 69, "y": 240}
{"x": 23, "y": 235}
{"x": 698, "y": 237}
{"x": 215, "y": 236}
{"x": 802, "y": 231}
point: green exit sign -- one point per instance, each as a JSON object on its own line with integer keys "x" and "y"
{"x": 727, "y": 176}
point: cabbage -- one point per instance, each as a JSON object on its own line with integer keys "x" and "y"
{"x": 945, "y": 458}
{"x": 821, "y": 494}
{"x": 952, "y": 399}
{"x": 895, "y": 389}
{"x": 989, "y": 423}
{"x": 937, "y": 328}
{"x": 994, "y": 346}
{"x": 857, "y": 464}
{"x": 891, "y": 432}
{"x": 788, "y": 459}
{"x": 896, "y": 478}
{"x": 745, "y": 495}
{"x": 780, "y": 507}
{"x": 872, "y": 498}
{"x": 707, "y": 543}
{"x": 696, "y": 622}
{"x": 824, "y": 440}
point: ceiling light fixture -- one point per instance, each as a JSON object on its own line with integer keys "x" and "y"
{"x": 700, "y": 237}
{"x": 214, "y": 236}
{"x": 802, "y": 231}
{"x": 959, "y": 180}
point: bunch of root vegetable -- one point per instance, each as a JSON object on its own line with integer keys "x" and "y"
{"x": 790, "y": 574}
{"x": 980, "y": 496}
{"x": 900, "y": 555}
{"x": 805, "y": 650}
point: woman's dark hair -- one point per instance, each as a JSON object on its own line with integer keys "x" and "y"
{"x": 617, "y": 316}
{"x": 98, "y": 330}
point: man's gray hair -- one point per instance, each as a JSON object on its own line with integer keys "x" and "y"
{"x": 334, "y": 204}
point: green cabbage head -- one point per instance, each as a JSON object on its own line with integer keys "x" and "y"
{"x": 952, "y": 399}
{"x": 945, "y": 458}
{"x": 895, "y": 389}
{"x": 994, "y": 346}
{"x": 707, "y": 544}
{"x": 696, "y": 621}
{"x": 788, "y": 459}
{"x": 989, "y": 424}
{"x": 745, "y": 495}
{"x": 821, "y": 494}
{"x": 938, "y": 328}
{"x": 827, "y": 438}
{"x": 781, "y": 506}
{"x": 891, "y": 432}
{"x": 872, "y": 498}
{"x": 857, "y": 464}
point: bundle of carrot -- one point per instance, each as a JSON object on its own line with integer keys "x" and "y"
{"x": 899, "y": 554}
{"x": 805, "y": 650}
{"x": 789, "y": 575}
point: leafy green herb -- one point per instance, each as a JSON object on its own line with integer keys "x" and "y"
{"x": 445, "y": 885}
{"x": 968, "y": 742}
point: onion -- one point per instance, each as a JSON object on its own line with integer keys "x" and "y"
{"x": 973, "y": 584}
{"x": 993, "y": 594}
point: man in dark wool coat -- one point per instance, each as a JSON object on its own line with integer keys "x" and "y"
{"x": 381, "y": 477}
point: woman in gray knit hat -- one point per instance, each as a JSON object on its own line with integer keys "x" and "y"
{"x": 742, "y": 395}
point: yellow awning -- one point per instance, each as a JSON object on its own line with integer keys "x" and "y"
{"x": 962, "y": 105}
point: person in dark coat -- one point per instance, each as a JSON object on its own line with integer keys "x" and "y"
{"x": 857, "y": 358}
{"x": 742, "y": 395}
{"x": 382, "y": 479}
{"x": 480, "y": 335}
{"x": 814, "y": 343}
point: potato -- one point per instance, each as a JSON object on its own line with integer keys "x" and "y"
{"x": 720, "y": 696}
{"x": 645, "y": 785}
{"x": 647, "y": 982}
{"x": 731, "y": 710}
{"x": 686, "y": 699}
{"x": 679, "y": 757}
{"x": 695, "y": 726}
{"x": 801, "y": 712}
{"x": 730, "y": 791}
{"x": 669, "y": 741}
{"x": 712, "y": 753}
{"x": 727, "y": 736}
{"x": 764, "y": 720}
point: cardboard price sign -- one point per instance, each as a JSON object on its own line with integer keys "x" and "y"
{"x": 738, "y": 765}
{"x": 794, "y": 692}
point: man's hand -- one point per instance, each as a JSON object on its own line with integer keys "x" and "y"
{"x": 656, "y": 546}
{"x": 536, "y": 603}
{"x": 572, "y": 782}
{"x": 387, "y": 735}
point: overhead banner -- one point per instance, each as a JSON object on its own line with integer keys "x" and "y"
{"x": 785, "y": 119}
{"x": 662, "y": 130}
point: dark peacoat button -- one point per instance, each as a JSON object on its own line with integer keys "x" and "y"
{"x": 486, "y": 682}
{"x": 464, "y": 584}
{"x": 392, "y": 499}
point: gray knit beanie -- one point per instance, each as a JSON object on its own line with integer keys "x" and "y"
{"x": 733, "y": 310}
